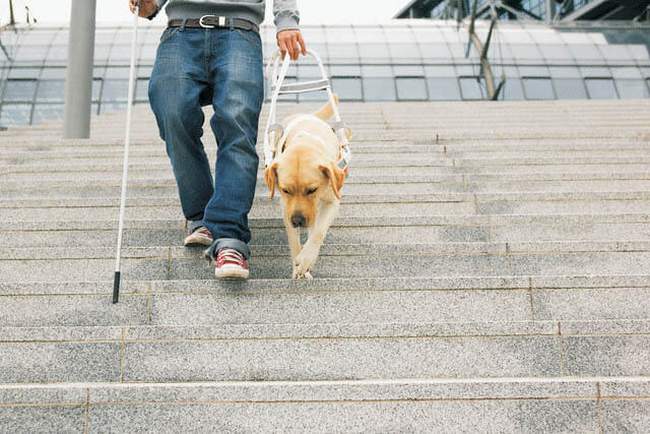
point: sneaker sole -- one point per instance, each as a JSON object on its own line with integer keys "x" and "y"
{"x": 231, "y": 272}
{"x": 194, "y": 240}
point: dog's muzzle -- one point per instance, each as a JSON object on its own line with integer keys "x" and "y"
{"x": 298, "y": 220}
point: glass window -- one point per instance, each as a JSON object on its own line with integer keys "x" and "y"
{"x": 538, "y": 88}
{"x": 436, "y": 51}
{"x": 525, "y": 52}
{"x": 626, "y": 72}
{"x": 117, "y": 72}
{"x": 405, "y": 53}
{"x": 53, "y": 72}
{"x": 101, "y": 53}
{"x": 15, "y": 114}
{"x": 148, "y": 53}
{"x": 615, "y": 52}
{"x": 141, "y": 90}
{"x": 401, "y": 34}
{"x": 369, "y": 34}
{"x": 374, "y": 53}
{"x": 595, "y": 72}
{"x": 428, "y": 35}
{"x": 115, "y": 90}
{"x": 319, "y": 48}
{"x": 601, "y": 88}
{"x": 313, "y": 34}
{"x": 585, "y": 52}
{"x": 58, "y": 54}
{"x": 313, "y": 96}
{"x": 21, "y": 73}
{"x": 411, "y": 88}
{"x": 457, "y": 50}
{"x": 120, "y": 53}
{"x": 470, "y": 88}
{"x": 512, "y": 89}
{"x": 51, "y": 90}
{"x": 555, "y": 52}
{"x": 440, "y": 71}
{"x": 534, "y": 71}
{"x": 308, "y": 72}
{"x": 19, "y": 90}
{"x": 36, "y": 37}
{"x": 632, "y": 88}
{"x": 443, "y": 89}
{"x": 348, "y": 88}
{"x": 379, "y": 89}
{"x": 48, "y": 113}
{"x": 31, "y": 53}
{"x": 107, "y": 107}
{"x": 345, "y": 70}
{"x": 343, "y": 52}
{"x": 570, "y": 88}
{"x": 376, "y": 71}
{"x": 408, "y": 70}
{"x": 565, "y": 72}
{"x": 639, "y": 52}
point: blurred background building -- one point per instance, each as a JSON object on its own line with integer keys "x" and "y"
{"x": 513, "y": 50}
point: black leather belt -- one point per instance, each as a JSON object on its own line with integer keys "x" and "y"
{"x": 213, "y": 22}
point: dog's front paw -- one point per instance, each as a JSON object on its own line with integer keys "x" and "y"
{"x": 303, "y": 263}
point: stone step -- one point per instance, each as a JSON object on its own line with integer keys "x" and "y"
{"x": 361, "y": 151}
{"x": 508, "y": 404}
{"x": 378, "y": 185}
{"x": 155, "y": 235}
{"x": 392, "y": 170}
{"x": 365, "y": 160}
{"x": 376, "y": 247}
{"x": 379, "y": 205}
{"x": 417, "y": 301}
{"x": 258, "y": 286}
{"x": 312, "y": 352}
{"x": 161, "y": 264}
{"x": 453, "y": 221}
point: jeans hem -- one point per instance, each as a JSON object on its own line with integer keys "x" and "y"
{"x": 232, "y": 243}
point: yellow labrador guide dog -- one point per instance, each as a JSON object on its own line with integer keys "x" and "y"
{"x": 307, "y": 164}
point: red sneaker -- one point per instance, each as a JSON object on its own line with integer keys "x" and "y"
{"x": 230, "y": 264}
{"x": 200, "y": 237}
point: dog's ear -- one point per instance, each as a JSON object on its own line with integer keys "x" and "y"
{"x": 271, "y": 177}
{"x": 336, "y": 177}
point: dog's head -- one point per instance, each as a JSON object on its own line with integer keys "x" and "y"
{"x": 304, "y": 178}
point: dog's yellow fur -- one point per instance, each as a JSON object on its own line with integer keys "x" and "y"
{"x": 309, "y": 181}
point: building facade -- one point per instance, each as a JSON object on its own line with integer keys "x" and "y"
{"x": 403, "y": 60}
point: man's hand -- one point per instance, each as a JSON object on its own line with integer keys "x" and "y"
{"x": 147, "y": 7}
{"x": 290, "y": 41}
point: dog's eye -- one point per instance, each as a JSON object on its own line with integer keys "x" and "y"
{"x": 285, "y": 191}
{"x": 311, "y": 191}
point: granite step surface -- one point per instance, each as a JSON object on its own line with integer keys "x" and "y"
{"x": 489, "y": 275}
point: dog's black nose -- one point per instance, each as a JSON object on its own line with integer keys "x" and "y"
{"x": 298, "y": 220}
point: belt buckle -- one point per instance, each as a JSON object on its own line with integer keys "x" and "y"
{"x": 221, "y": 21}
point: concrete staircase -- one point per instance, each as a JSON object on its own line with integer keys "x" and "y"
{"x": 490, "y": 271}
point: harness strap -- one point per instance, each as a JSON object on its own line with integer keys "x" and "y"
{"x": 307, "y": 86}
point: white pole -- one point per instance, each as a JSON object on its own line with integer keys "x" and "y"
{"x": 125, "y": 167}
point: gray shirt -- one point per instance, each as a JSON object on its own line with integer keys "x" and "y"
{"x": 285, "y": 11}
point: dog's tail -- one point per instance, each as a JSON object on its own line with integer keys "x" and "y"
{"x": 327, "y": 110}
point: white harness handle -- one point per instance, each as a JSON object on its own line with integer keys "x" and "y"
{"x": 274, "y": 131}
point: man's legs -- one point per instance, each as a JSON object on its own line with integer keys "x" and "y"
{"x": 177, "y": 81}
{"x": 238, "y": 79}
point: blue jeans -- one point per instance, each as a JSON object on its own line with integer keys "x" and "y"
{"x": 222, "y": 67}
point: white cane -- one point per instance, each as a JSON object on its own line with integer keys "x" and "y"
{"x": 125, "y": 167}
